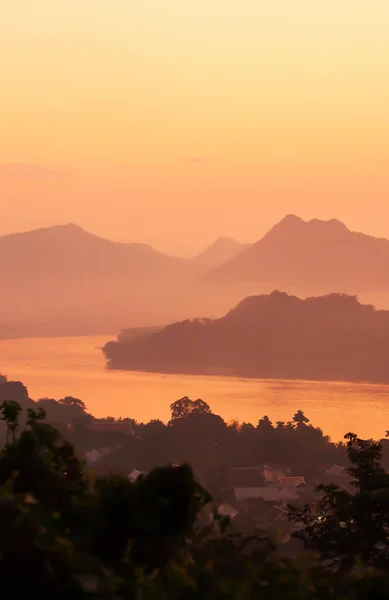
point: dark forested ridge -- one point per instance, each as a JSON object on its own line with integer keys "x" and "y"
{"x": 195, "y": 435}
{"x": 332, "y": 337}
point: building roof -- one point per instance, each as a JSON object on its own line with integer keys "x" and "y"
{"x": 292, "y": 482}
{"x": 227, "y": 510}
{"x": 337, "y": 470}
{"x": 269, "y": 493}
{"x": 259, "y": 468}
{"x": 276, "y": 513}
{"x": 133, "y": 476}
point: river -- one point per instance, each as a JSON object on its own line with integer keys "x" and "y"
{"x": 75, "y": 366}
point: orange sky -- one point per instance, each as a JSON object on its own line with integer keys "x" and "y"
{"x": 175, "y": 121}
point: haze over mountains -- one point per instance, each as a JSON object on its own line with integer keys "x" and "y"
{"x": 72, "y": 252}
{"x": 222, "y": 250}
{"x": 64, "y": 280}
{"x": 319, "y": 255}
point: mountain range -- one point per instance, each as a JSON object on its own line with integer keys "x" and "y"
{"x": 333, "y": 338}
{"x": 63, "y": 280}
{"x": 319, "y": 255}
{"x": 72, "y": 252}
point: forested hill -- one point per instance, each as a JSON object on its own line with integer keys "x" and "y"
{"x": 331, "y": 337}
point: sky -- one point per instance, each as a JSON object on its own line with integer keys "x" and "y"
{"x": 174, "y": 122}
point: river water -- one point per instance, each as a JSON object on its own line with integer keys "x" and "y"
{"x": 75, "y": 366}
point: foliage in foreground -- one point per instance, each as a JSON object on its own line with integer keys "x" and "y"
{"x": 65, "y": 535}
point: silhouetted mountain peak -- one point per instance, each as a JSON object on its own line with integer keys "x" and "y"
{"x": 224, "y": 240}
{"x": 71, "y": 227}
{"x": 222, "y": 243}
{"x": 307, "y": 256}
{"x": 288, "y": 226}
{"x": 61, "y": 227}
{"x": 333, "y": 225}
{"x": 291, "y": 219}
{"x": 291, "y": 224}
{"x": 68, "y": 253}
{"x": 221, "y": 250}
{"x": 66, "y": 230}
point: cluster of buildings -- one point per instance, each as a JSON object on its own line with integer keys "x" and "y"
{"x": 258, "y": 497}
{"x": 252, "y": 497}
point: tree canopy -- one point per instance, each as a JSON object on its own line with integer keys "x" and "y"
{"x": 185, "y": 406}
{"x": 65, "y": 534}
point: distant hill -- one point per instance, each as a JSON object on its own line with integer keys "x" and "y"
{"x": 63, "y": 280}
{"x": 314, "y": 256}
{"x": 222, "y": 250}
{"x": 60, "y": 276}
{"x": 332, "y": 337}
{"x": 133, "y": 333}
{"x": 71, "y": 251}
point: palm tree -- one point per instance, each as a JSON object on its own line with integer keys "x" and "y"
{"x": 10, "y": 411}
{"x": 33, "y": 416}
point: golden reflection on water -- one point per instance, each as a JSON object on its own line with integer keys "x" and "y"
{"x": 56, "y": 367}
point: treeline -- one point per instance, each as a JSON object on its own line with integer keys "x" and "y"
{"x": 194, "y": 435}
{"x": 65, "y": 534}
{"x": 212, "y": 447}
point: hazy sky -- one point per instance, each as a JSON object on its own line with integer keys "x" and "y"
{"x": 175, "y": 121}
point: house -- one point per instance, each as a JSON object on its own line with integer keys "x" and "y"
{"x": 268, "y": 493}
{"x": 226, "y": 510}
{"x": 134, "y": 475}
{"x": 291, "y": 482}
{"x": 260, "y": 483}
{"x": 295, "y": 483}
{"x": 337, "y": 475}
{"x": 272, "y": 474}
{"x": 274, "y": 514}
{"x": 337, "y": 470}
